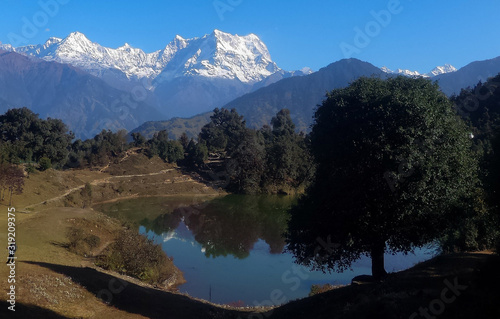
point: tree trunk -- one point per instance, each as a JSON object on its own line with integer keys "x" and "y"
{"x": 377, "y": 254}
{"x": 10, "y": 200}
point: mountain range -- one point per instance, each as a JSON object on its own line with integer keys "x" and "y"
{"x": 92, "y": 87}
{"x": 447, "y": 68}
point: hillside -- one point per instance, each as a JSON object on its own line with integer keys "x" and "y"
{"x": 176, "y": 126}
{"x": 468, "y": 76}
{"x": 301, "y": 94}
{"x": 84, "y": 102}
{"x": 57, "y": 283}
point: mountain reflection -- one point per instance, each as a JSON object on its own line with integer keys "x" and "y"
{"x": 230, "y": 225}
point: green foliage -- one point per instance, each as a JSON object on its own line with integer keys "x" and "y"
{"x": 45, "y": 163}
{"x": 135, "y": 255}
{"x": 26, "y": 137}
{"x": 393, "y": 163}
{"x": 184, "y": 140}
{"x": 246, "y": 165}
{"x": 224, "y": 131}
{"x": 475, "y": 227}
{"x": 168, "y": 150}
{"x": 138, "y": 139}
{"x": 269, "y": 160}
{"x": 288, "y": 161}
{"x": 30, "y": 169}
{"x": 175, "y": 152}
{"x": 197, "y": 153}
{"x": 99, "y": 150}
{"x": 480, "y": 107}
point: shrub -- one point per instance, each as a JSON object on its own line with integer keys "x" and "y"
{"x": 135, "y": 255}
{"x": 30, "y": 169}
{"x": 80, "y": 242}
{"x": 45, "y": 163}
{"x": 318, "y": 289}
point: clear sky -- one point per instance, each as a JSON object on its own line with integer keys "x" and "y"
{"x": 416, "y": 35}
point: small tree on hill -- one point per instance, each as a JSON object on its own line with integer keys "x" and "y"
{"x": 45, "y": 163}
{"x": 393, "y": 161}
{"x": 11, "y": 180}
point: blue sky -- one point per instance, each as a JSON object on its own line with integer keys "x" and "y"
{"x": 416, "y": 35}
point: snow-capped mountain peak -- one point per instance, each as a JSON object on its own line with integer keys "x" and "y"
{"x": 215, "y": 55}
{"x": 447, "y": 68}
{"x": 52, "y": 41}
{"x": 221, "y": 55}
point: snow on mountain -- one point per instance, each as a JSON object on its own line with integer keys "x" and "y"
{"x": 224, "y": 56}
{"x": 447, "y": 68}
{"x": 217, "y": 55}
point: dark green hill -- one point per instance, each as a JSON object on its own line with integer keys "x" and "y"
{"x": 84, "y": 102}
{"x": 300, "y": 94}
{"x": 176, "y": 126}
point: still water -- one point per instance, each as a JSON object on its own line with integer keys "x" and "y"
{"x": 231, "y": 249}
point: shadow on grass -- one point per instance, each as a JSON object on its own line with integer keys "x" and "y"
{"x": 136, "y": 299}
{"x": 60, "y": 244}
{"x": 27, "y": 311}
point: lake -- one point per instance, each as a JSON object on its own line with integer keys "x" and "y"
{"x": 231, "y": 249}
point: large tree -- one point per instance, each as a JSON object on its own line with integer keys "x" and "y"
{"x": 288, "y": 162}
{"x": 393, "y": 161}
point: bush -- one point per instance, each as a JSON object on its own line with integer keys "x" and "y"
{"x": 45, "y": 163}
{"x": 135, "y": 255}
{"x": 318, "y": 289}
{"x": 30, "y": 169}
{"x": 80, "y": 242}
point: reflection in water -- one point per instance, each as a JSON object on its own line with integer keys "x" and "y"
{"x": 230, "y": 225}
{"x": 244, "y": 233}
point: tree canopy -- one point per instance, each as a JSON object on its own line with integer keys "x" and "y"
{"x": 26, "y": 137}
{"x": 393, "y": 160}
{"x": 270, "y": 160}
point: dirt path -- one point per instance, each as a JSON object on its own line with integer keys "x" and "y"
{"x": 95, "y": 183}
